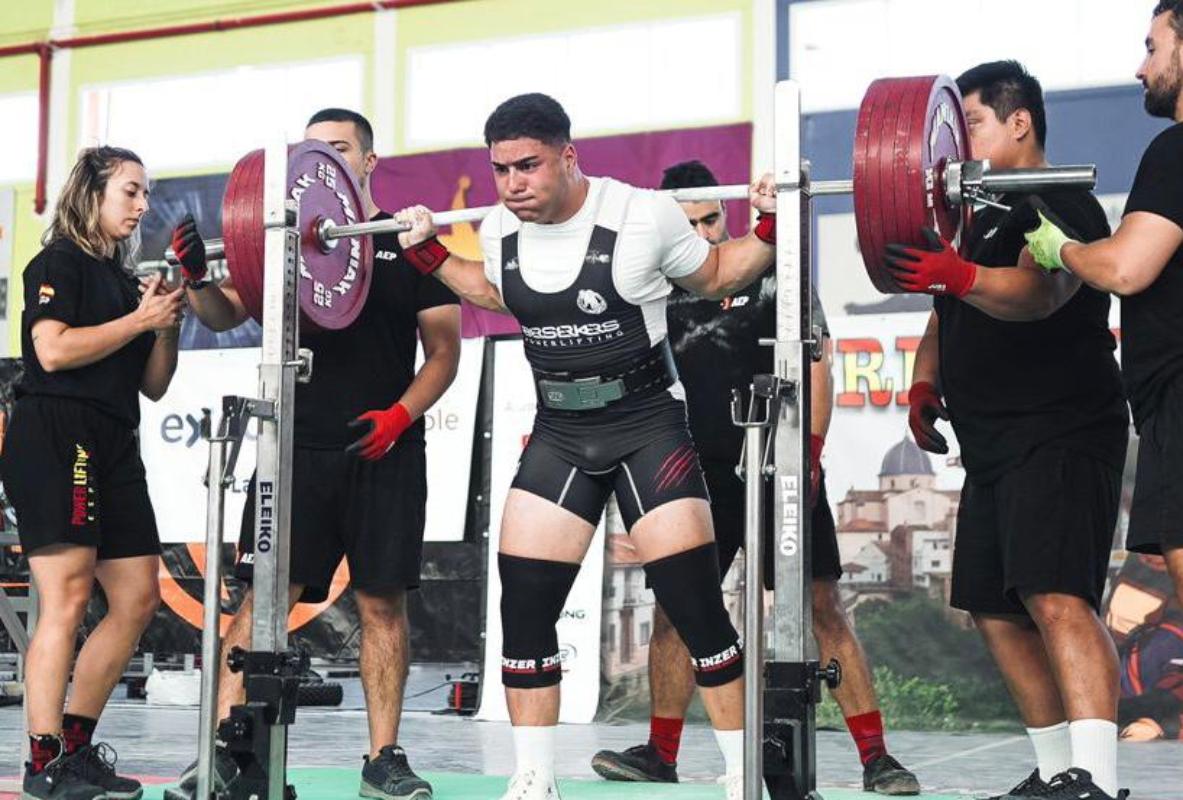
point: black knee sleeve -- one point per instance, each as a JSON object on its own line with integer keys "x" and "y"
{"x": 687, "y": 587}
{"x": 533, "y": 593}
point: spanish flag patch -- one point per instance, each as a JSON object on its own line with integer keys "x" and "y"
{"x": 44, "y": 294}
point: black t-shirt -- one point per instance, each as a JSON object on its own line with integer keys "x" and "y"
{"x": 62, "y": 282}
{"x": 1151, "y": 333}
{"x": 717, "y": 348}
{"x": 1013, "y": 386}
{"x": 369, "y": 365}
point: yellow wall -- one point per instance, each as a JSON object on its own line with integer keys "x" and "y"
{"x": 461, "y": 21}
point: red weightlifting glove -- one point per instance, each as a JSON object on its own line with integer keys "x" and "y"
{"x": 189, "y": 249}
{"x": 816, "y": 443}
{"x": 936, "y": 269}
{"x": 427, "y": 256}
{"x": 925, "y": 407}
{"x": 765, "y": 229}
{"x": 385, "y": 428}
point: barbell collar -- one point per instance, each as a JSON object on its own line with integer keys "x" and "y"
{"x": 1040, "y": 179}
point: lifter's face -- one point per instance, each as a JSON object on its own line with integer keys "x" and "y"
{"x": 125, "y": 200}
{"x": 535, "y": 180}
{"x": 343, "y": 138}
{"x": 1003, "y": 142}
{"x": 1161, "y": 72}
{"x": 708, "y": 219}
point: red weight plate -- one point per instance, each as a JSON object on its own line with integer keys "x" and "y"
{"x": 869, "y": 149}
{"x": 243, "y": 192}
{"x": 946, "y": 138}
{"x": 910, "y": 177}
{"x": 333, "y": 284}
{"x": 895, "y": 197}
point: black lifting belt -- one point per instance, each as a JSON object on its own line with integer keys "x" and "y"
{"x": 565, "y": 391}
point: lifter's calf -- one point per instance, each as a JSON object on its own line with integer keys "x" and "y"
{"x": 836, "y": 640}
{"x": 230, "y": 687}
{"x": 1018, "y": 649}
{"x": 383, "y": 659}
{"x": 671, "y": 678}
{"x": 1081, "y": 654}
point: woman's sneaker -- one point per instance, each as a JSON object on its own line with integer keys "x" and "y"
{"x": 62, "y": 779}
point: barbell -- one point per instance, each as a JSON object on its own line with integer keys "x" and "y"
{"x": 911, "y": 170}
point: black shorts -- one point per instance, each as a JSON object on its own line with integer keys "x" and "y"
{"x": 659, "y": 468}
{"x": 1045, "y": 526}
{"x": 1156, "y": 516}
{"x": 371, "y": 512}
{"x": 74, "y": 476}
{"x": 728, "y": 505}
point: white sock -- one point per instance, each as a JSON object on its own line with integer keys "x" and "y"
{"x": 1094, "y": 747}
{"x": 1053, "y": 749}
{"x": 534, "y": 748}
{"x": 731, "y": 743}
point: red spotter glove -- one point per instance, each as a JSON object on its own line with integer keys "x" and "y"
{"x": 427, "y": 256}
{"x": 765, "y": 229}
{"x": 924, "y": 408}
{"x": 385, "y": 428}
{"x": 816, "y": 443}
{"x": 936, "y": 269}
{"x": 189, "y": 249}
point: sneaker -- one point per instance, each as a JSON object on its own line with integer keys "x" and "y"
{"x": 389, "y": 777}
{"x": 225, "y": 770}
{"x": 62, "y": 779}
{"x": 1077, "y": 784}
{"x": 885, "y": 775}
{"x": 1032, "y": 786}
{"x": 532, "y": 785}
{"x": 98, "y": 767}
{"x": 640, "y": 763}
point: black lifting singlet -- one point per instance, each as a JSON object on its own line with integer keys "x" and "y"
{"x": 586, "y": 328}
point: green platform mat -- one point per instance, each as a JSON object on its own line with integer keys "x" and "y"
{"x": 334, "y": 783}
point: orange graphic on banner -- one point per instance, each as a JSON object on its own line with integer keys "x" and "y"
{"x": 862, "y": 360}
{"x": 188, "y": 607}
{"x": 464, "y": 240}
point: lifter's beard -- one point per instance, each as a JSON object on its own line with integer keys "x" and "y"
{"x": 1162, "y": 96}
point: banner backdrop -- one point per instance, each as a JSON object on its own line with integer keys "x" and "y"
{"x": 579, "y": 625}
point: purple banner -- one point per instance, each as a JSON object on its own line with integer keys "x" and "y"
{"x": 463, "y": 179}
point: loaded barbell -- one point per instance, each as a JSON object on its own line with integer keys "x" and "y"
{"x": 911, "y": 170}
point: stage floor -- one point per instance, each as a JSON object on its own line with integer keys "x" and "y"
{"x": 469, "y": 759}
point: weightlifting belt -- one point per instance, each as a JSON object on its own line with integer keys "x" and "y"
{"x": 564, "y": 391}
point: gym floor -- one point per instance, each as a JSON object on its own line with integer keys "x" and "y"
{"x": 460, "y": 756}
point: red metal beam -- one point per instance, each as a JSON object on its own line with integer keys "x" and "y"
{"x": 44, "y": 51}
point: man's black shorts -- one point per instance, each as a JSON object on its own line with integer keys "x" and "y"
{"x": 1045, "y": 526}
{"x": 727, "y": 510}
{"x": 1156, "y": 517}
{"x": 371, "y": 512}
{"x": 74, "y": 476}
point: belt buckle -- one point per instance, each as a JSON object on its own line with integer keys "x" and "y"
{"x": 586, "y": 394}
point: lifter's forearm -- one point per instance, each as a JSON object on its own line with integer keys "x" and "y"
{"x": 219, "y": 309}
{"x": 59, "y": 347}
{"x": 821, "y": 398}
{"x": 1020, "y": 294}
{"x": 739, "y": 262}
{"x": 467, "y": 279}
{"x": 927, "y": 367}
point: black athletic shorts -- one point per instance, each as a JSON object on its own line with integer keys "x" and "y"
{"x": 648, "y": 459}
{"x": 371, "y": 512}
{"x": 728, "y": 512}
{"x": 1045, "y": 526}
{"x": 1156, "y": 516}
{"x": 74, "y": 476}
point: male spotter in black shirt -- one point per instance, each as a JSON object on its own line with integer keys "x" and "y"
{"x": 367, "y": 500}
{"x": 717, "y": 347}
{"x": 1143, "y": 263}
{"x": 1025, "y": 364}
